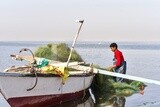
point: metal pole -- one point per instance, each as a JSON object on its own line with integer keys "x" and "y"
{"x": 75, "y": 39}
{"x": 127, "y": 76}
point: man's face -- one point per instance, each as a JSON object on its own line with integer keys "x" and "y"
{"x": 113, "y": 49}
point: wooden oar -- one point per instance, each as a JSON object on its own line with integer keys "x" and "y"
{"x": 109, "y": 73}
{"x": 126, "y": 76}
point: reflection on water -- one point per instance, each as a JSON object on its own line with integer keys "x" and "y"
{"x": 109, "y": 100}
{"x": 113, "y": 102}
{"x": 119, "y": 102}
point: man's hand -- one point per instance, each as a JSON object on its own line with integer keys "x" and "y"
{"x": 109, "y": 69}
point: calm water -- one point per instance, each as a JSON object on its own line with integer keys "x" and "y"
{"x": 142, "y": 60}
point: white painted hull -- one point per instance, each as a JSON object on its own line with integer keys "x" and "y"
{"x": 16, "y": 86}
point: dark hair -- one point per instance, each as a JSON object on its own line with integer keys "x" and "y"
{"x": 114, "y": 45}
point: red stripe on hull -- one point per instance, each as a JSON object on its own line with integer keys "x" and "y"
{"x": 45, "y": 100}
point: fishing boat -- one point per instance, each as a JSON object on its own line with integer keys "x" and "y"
{"x": 25, "y": 86}
{"x": 26, "y": 90}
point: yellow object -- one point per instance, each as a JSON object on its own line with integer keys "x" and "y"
{"x": 61, "y": 71}
{"x": 47, "y": 69}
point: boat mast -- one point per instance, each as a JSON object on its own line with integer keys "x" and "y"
{"x": 75, "y": 39}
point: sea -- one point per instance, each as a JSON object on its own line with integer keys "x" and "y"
{"x": 143, "y": 60}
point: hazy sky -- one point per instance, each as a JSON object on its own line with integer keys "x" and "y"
{"x": 54, "y": 20}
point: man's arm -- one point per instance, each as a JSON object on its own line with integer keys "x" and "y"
{"x": 118, "y": 62}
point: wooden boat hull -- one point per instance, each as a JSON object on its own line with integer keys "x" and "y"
{"x": 48, "y": 91}
{"x": 44, "y": 100}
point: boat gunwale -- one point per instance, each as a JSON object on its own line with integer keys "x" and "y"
{"x": 15, "y": 74}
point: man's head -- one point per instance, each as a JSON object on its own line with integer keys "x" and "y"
{"x": 113, "y": 47}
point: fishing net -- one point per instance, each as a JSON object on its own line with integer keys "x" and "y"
{"x": 57, "y": 52}
{"x": 106, "y": 89}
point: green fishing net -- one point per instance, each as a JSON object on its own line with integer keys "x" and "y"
{"x": 58, "y": 52}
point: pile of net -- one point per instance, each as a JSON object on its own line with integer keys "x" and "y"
{"x": 107, "y": 91}
{"x": 57, "y": 52}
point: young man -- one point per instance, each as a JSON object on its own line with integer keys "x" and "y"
{"x": 119, "y": 64}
